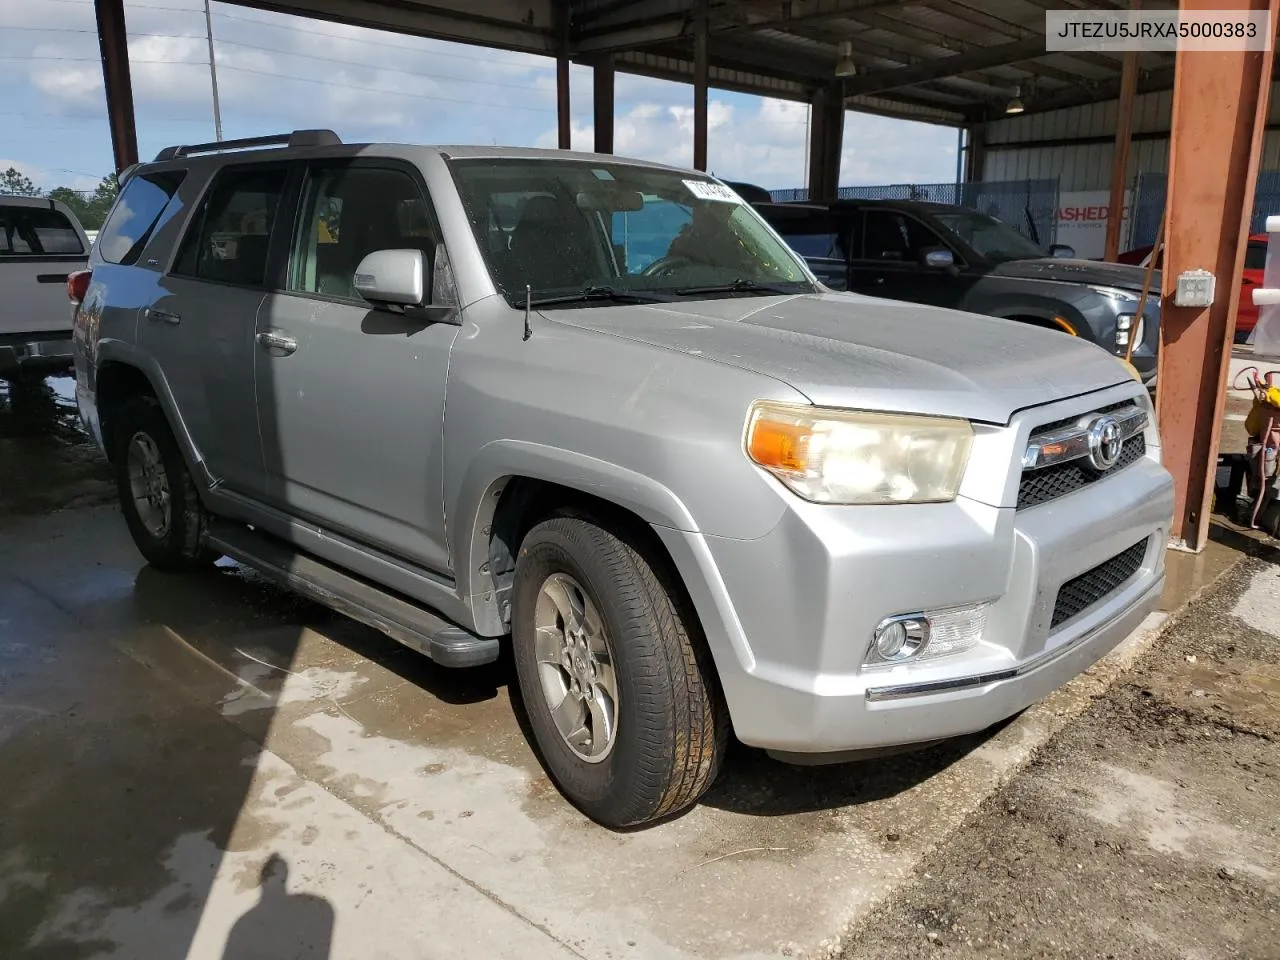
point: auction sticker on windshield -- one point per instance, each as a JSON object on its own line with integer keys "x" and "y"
{"x": 706, "y": 190}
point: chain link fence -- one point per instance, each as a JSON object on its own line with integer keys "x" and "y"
{"x": 1149, "y": 198}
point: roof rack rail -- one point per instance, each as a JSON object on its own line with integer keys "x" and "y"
{"x": 299, "y": 138}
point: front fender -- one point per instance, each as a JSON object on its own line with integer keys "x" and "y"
{"x": 496, "y": 463}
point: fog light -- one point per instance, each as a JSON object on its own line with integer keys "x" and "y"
{"x": 1124, "y": 329}
{"x": 927, "y": 636}
{"x": 900, "y": 638}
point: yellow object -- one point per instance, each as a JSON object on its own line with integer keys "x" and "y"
{"x": 1133, "y": 371}
{"x": 1066, "y": 327}
{"x": 1268, "y": 404}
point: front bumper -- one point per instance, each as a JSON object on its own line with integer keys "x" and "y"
{"x": 790, "y": 654}
{"x": 35, "y": 353}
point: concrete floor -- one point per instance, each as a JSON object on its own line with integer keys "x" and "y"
{"x": 205, "y": 767}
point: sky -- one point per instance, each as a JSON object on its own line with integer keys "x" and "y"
{"x": 279, "y": 73}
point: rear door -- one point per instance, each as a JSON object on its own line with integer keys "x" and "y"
{"x": 201, "y": 327}
{"x": 39, "y": 246}
{"x": 350, "y": 400}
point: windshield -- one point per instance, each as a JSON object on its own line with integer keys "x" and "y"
{"x": 565, "y": 227}
{"x": 990, "y": 237}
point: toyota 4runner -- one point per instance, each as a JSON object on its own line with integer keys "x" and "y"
{"x": 598, "y": 407}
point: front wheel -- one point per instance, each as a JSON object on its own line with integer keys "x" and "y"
{"x": 618, "y": 688}
{"x": 158, "y": 496}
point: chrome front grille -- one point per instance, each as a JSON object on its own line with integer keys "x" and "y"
{"x": 1070, "y": 454}
{"x": 1049, "y": 483}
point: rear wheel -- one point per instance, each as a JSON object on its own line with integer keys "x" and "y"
{"x": 618, "y": 688}
{"x": 157, "y": 495}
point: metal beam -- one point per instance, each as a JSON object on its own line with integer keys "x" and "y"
{"x": 1120, "y": 152}
{"x": 633, "y": 35}
{"x": 1220, "y": 101}
{"x": 114, "y": 47}
{"x": 977, "y": 59}
{"x": 789, "y": 13}
{"x": 524, "y": 25}
{"x": 564, "y": 120}
{"x": 602, "y": 104}
{"x": 1153, "y": 82}
{"x": 975, "y": 158}
{"x": 701, "y": 63}
{"x": 826, "y": 139}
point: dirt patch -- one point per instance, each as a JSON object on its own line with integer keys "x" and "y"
{"x": 1150, "y": 828}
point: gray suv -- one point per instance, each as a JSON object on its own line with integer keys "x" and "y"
{"x": 597, "y": 409}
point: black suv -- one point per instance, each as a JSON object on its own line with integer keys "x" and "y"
{"x": 951, "y": 256}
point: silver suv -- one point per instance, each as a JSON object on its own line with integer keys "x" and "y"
{"x": 597, "y": 406}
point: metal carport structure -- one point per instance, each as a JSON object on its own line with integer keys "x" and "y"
{"x": 955, "y": 62}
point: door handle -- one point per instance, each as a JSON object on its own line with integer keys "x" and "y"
{"x": 277, "y": 341}
{"x": 163, "y": 316}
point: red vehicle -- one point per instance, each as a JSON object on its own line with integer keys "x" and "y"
{"x": 1255, "y": 261}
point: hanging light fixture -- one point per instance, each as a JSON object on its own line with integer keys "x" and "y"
{"x": 845, "y": 67}
{"x": 1015, "y": 104}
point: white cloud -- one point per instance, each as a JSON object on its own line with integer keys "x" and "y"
{"x": 47, "y": 179}
{"x": 371, "y": 85}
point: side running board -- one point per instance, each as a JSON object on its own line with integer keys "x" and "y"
{"x": 446, "y": 643}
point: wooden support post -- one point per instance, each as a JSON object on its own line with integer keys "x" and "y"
{"x": 1220, "y": 101}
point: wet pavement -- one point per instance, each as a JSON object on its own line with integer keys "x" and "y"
{"x": 205, "y": 766}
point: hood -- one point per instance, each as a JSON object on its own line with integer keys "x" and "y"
{"x": 846, "y": 350}
{"x": 1125, "y": 276}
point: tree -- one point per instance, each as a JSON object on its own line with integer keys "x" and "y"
{"x": 91, "y": 209}
{"x": 16, "y": 183}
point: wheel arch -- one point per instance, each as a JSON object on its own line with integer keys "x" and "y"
{"x": 130, "y": 372}
{"x": 512, "y": 484}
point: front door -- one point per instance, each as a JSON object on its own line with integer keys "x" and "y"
{"x": 202, "y": 327}
{"x": 351, "y": 399}
{"x": 890, "y": 261}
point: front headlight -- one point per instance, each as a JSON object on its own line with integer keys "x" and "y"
{"x": 1115, "y": 293}
{"x": 846, "y": 456}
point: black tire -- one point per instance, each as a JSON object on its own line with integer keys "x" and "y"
{"x": 671, "y": 724}
{"x": 181, "y": 544}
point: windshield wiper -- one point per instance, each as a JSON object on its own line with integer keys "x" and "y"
{"x": 742, "y": 285}
{"x": 587, "y": 294}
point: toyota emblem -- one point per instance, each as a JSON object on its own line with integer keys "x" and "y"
{"x": 1104, "y": 443}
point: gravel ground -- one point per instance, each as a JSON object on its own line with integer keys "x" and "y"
{"x": 1150, "y": 828}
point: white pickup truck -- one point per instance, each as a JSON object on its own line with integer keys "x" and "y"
{"x": 41, "y": 242}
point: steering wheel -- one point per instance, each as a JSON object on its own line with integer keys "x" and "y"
{"x": 664, "y": 266}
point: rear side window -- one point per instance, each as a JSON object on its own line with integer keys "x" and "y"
{"x": 230, "y": 236}
{"x": 36, "y": 231}
{"x": 134, "y": 217}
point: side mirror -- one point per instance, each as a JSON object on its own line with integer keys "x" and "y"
{"x": 1062, "y": 250}
{"x": 394, "y": 278}
{"x": 939, "y": 258}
